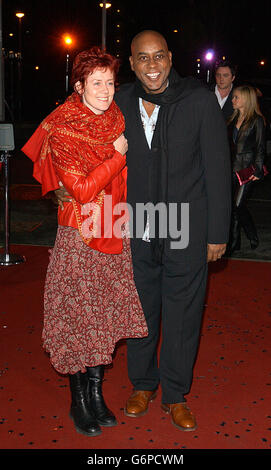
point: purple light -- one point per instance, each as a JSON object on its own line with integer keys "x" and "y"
{"x": 209, "y": 55}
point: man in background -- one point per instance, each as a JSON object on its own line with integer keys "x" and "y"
{"x": 224, "y": 76}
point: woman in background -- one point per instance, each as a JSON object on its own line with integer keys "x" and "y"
{"x": 90, "y": 299}
{"x": 247, "y": 140}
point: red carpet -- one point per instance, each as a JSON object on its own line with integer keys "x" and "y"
{"x": 232, "y": 378}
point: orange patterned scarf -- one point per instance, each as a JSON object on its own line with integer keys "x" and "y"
{"x": 80, "y": 126}
{"x": 81, "y": 141}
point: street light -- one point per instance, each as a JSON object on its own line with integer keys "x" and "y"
{"x": 209, "y": 56}
{"x": 68, "y": 42}
{"x": 2, "y": 78}
{"x": 104, "y": 6}
{"x": 20, "y": 15}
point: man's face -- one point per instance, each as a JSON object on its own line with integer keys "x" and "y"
{"x": 224, "y": 78}
{"x": 151, "y": 62}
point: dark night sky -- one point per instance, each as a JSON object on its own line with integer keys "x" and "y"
{"x": 237, "y": 29}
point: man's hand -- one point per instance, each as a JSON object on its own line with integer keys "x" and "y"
{"x": 214, "y": 252}
{"x": 62, "y": 196}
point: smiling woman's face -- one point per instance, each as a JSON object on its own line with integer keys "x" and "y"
{"x": 98, "y": 91}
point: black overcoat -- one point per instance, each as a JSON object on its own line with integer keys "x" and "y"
{"x": 250, "y": 145}
{"x": 199, "y": 170}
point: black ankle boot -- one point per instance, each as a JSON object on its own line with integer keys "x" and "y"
{"x": 234, "y": 246}
{"x": 97, "y": 404}
{"x": 84, "y": 421}
{"x": 254, "y": 243}
{"x": 235, "y": 236}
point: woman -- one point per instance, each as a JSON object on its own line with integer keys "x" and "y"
{"x": 90, "y": 299}
{"x": 247, "y": 139}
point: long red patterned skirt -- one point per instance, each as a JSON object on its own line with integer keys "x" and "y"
{"x": 90, "y": 303}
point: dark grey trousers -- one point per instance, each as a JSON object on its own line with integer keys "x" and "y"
{"x": 172, "y": 297}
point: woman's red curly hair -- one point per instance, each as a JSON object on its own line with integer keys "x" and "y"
{"x": 87, "y": 61}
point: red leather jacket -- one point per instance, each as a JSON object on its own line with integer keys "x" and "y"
{"x": 67, "y": 133}
{"x": 110, "y": 176}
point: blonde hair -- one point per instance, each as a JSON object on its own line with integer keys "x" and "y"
{"x": 251, "y": 105}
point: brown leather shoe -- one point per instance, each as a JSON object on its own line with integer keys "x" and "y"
{"x": 137, "y": 404}
{"x": 181, "y": 416}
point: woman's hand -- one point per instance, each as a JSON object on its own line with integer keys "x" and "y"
{"x": 253, "y": 178}
{"x": 121, "y": 144}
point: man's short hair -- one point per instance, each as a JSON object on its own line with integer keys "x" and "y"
{"x": 226, "y": 63}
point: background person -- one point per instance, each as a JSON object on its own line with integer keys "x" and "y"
{"x": 248, "y": 147}
{"x": 225, "y": 74}
{"x": 90, "y": 299}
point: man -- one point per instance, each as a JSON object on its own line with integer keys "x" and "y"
{"x": 182, "y": 157}
{"x": 224, "y": 77}
{"x": 177, "y": 153}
